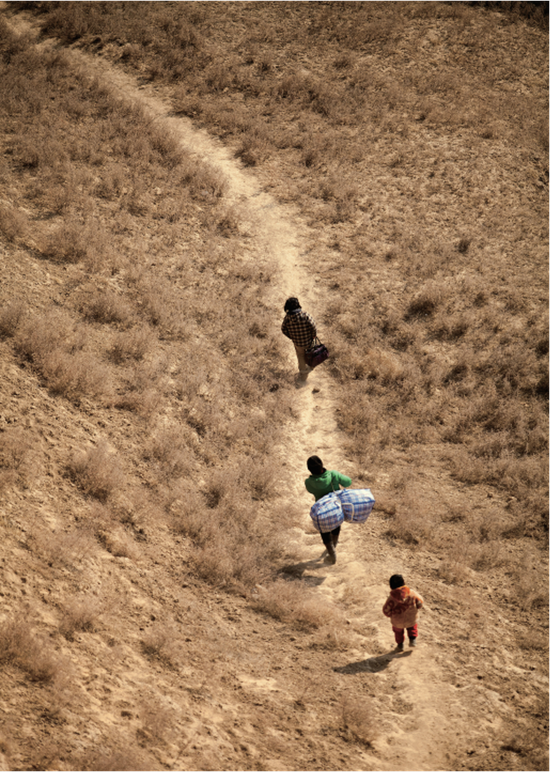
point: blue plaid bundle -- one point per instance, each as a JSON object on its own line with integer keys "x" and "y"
{"x": 357, "y": 504}
{"x": 327, "y": 513}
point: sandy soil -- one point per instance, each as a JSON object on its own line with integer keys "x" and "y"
{"x": 253, "y": 694}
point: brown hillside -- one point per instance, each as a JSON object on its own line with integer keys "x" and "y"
{"x": 170, "y": 174}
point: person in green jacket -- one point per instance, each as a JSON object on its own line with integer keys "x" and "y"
{"x": 320, "y": 482}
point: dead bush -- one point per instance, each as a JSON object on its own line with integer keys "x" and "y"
{"x": 18, "y": 461}
{"x": 231, "y": 558}
{"x": 358, "y": 720}
{"x": 76, "y": 375}
{"x": 157, "y": 721}
{"x": 20, "y": 647}
{"x": 171, "y": 447}
{"x": 68, "y": 244}
{"x": 297, "y": 605}
{"x": 13, "y": 222}
{"x": 161, "y": 642}
{"x": 107, "y": 307}
{"x": 426, "y": 301}
{"x": 11, "y": 315}
{"x": 61, "y": 548}
{"x": 80, "y": 615}
{"x": 409, "y": 524}
{"x": 97, "y": 472}
{"x": 112, "y": 758}
{"x": 142, "y": 390}
{"x": 132, "y": 344}
{"x": 54, "y": 346}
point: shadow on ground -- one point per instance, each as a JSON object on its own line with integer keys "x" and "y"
{"x": 372, "y": 664}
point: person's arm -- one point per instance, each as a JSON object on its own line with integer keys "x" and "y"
{"x": 284, "y": 327}
{"x": 388, "y": 608}
{"x": 341, "y": 479}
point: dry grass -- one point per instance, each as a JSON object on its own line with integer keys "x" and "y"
{"x": 358, "y": 720}
{"x": 20, "y": 647}
{"x": 80, "y": 615}
{"x": 161, "y": 643}
{"x": 65, "y": 549}
{"x": 297, "y": 605}
{"x": 97, "y": 472}
{"x": 18, "y": 458}
{"x": 435, "y": 346}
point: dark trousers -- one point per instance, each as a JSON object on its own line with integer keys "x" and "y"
{"x": 330, "y": 540}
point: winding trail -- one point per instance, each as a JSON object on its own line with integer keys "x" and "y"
{"x": 419, "y": 739}
{"x": 280, "y": 237}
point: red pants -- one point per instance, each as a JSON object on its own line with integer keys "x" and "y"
{"x": 399, "y": 633}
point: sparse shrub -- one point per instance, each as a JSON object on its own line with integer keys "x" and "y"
{"x": 53, "y": 346}
{"x": 76, "y": 375}
{"x": 161, "y": 642}
{"x": 141, "y": 391}
{"x": 68, "y": 244}
{"x": 62, "y": 548}
{"x": 296, "y": 605}
{"x": 114, "y": 759}
{"x": 20, "y": 647}
{"x": 13, "y": 223}
{"x": 17, "y": 459}
{"x": 107, "y": 307}
{"x": 157, "y": 721}
{"x": 409, "y": 524}
{"x": 358, "y": 720}
{"x": 97, "y": 472}
{"x": 133, "y": 344}
{"x": 426, "y": 301}
{"x": 11, "y": 316}
{"x": 252, "y": 151}
{"x": 80, "y": 616}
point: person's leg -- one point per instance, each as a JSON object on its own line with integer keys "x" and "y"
{"x": 302, "y": 366}
{"x": 327, "y": 541}
{"x": 335, "y": 535}
{"x": 412, "y": 632}
{"x": 399, "y": 634}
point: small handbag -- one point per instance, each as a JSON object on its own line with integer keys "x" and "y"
{"x": 316, "y": 354}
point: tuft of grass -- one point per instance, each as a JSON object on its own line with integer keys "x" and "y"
{"x": 97, "y": 472}
{"x": 11, "y": 316}
{"x": 358, "y": 722}
{"x": 80, "y": 615}
{"x": 20, "y": 647}
{"x": 132, "y": 344}
{"x": 296, "y": 605}
{"x": 18, "y": 461}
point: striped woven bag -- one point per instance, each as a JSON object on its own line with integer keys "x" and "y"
{"x": 357, "y": 504}
{"x": 327, "y": 513}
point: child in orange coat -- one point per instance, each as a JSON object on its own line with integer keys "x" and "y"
{"x": 402, "y": 607}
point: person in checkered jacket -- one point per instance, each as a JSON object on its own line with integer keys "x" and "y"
{"x": 302, "y": 331}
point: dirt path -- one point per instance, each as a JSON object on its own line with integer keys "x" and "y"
{"x": 280, "y": 237}
{"x": 417, "y": 725}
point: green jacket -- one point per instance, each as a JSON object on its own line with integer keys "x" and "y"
{"x": 321, "y": 484}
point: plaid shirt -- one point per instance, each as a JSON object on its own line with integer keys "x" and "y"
{"x": 299, "y": 327}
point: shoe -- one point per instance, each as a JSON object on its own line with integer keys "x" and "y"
{"x": 331, "y": 558}
{"x": 412, "y": 642}
{"x": 399, "y": 647}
